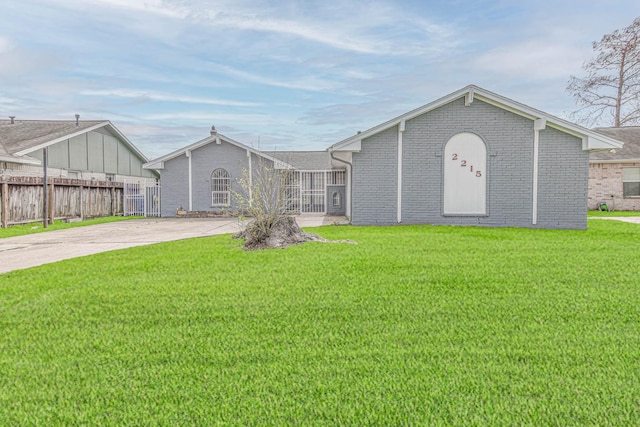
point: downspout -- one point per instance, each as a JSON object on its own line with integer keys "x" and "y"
{"x": 250, "y": 178}
{"x": 401, "y": 127}
{"x": 188, "y": 154}
{"x": 538, "y": 125}
{"x": 350, "y": 181}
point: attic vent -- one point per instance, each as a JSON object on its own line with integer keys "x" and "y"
{"x": 77, "y": 120}
{"x": 12, "y": 119}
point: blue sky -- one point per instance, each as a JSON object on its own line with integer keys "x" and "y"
{"x": 284, "y": 74}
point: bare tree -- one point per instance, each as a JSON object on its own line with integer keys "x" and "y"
{"x": 265, "y": 196}
{"x": 610, "y": 92}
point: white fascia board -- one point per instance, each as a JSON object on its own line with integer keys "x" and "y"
{"x": 512, "y": 107}
{"x": 62, "y": 138}
{"x": 472, "y": 92}
{"x": 23, "y": 160}
{"x": 181, "y": 151}
{"x": 348, "y": 144}
{"x": 591, "y": 140}
{"x": 153, "y": 165}
{"x": 354, "y": 145}
{"x": 595, "y": 143}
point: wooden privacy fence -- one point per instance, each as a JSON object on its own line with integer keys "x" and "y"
{"x": 21, "y": 199}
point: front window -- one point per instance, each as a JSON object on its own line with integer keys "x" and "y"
{"x": 220, "y": 188}
{"x": 631, "y": 182}
{"x": 336, "y": 200}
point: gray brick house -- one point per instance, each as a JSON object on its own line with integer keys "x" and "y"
{"x": 470, "y": 158}
{"x": 201, "y": 177}
{"x": 614, "y": 175}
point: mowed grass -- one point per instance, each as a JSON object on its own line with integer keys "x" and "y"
{"x": 38, "y": 227}
{"x": 415, "y": 325}
{"x": 613, "y": 213}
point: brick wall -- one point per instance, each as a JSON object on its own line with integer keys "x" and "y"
{"x": 563, "y": 175}
{"x": 174, "y": 184}
{"x": 605, "y": 185}
{"x": 174, "y": 178}
{"x": 375, "y": 180}
{"x": 509, "y": 141}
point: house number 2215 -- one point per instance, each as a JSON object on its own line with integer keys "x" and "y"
{"x": 463, "y": 164}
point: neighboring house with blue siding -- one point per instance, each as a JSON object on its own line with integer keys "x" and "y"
{"x": 470, "y": 158}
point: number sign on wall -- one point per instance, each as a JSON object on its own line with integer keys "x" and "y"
{"x": 465, "y": 183}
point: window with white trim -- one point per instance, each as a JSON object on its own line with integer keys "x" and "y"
{"x": 336, "y": 200}
{"x": 220, "y": 188}
{"x": 631, "y": 182}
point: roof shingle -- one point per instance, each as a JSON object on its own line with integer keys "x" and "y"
{"x": 25, "y": 134}
{"x": 630, "y": 135}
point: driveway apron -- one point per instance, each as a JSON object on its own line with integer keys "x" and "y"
{"x": 42, "y": 248}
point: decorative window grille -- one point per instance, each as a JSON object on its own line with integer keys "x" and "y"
{"x": 220, "y": 188}
{"x": 335, "y": 177}
{"x": 336, "y": 200}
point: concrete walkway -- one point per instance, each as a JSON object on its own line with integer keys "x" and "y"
{"x": 42, "y": 248}
{"x": 631, "y": 219}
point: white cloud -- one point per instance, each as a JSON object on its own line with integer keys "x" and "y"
{"x": 533, "y": 59}
{"x": 5, "y": 44}
{"x": 154, "y": 96}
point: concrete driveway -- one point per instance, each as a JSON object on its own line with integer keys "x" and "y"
{"x": 42, "y": 248}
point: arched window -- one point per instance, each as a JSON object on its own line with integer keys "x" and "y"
{"x": 465, "y": 175}
{"x": 336, "y": 200}
{"x": 220, "y": 188}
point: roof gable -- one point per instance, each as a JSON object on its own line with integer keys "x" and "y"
{"x": 217, "y": 138}
{"x": 590, "y": 140}
{"x": 22, "y": 137}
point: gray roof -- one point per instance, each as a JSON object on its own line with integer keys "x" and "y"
{"x": 26, "y": 134}
{"x": 630, "y": 135}
{"x": 23, "y": 137}
{"x": 304, "y": 160}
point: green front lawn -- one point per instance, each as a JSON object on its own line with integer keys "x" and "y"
{"x": 614, "y": 213}
{"x": 415, "y": 325}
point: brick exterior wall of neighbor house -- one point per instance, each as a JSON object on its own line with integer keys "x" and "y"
{"x": 375, "y": 180}
{"x": 605, "y": 185}
{"x": 174, "y": 182}
{"x": 509, "y": 141}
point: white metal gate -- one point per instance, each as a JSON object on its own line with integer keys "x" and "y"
{"x": 312, "y": 193}
{"x": 141, "y": 199}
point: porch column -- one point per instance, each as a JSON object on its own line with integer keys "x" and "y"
{"x": 538, "y": 125}
{"x": 401, "y": 127}
{"x": 188, "y": 154}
